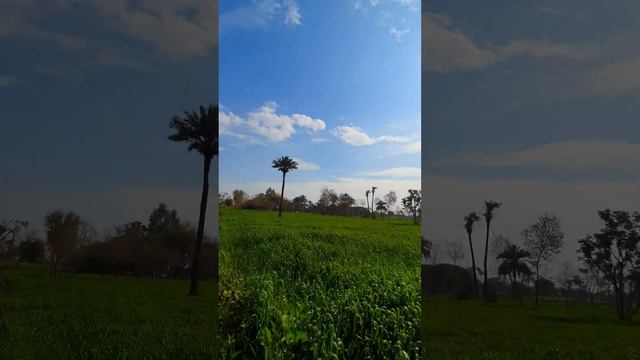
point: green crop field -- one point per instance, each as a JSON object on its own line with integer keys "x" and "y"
{"x": 471, "y": 329}
{"x": 88, "y": 317}
{"x": 314, "y": 286}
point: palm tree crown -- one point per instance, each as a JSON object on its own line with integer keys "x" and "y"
{"x": 469, "y": 220}
{"x": 284, "y": 164}
{"x": 199, "y": 129}
{"x": 512, "y": 262}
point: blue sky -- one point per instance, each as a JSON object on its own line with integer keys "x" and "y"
{"x": 334, "y": 84}
{"x": 87, "y": 90}
{"x": 533, "y": 104}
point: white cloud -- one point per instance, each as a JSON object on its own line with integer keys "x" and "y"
{"x": 399, "y": 33}
{"x": 411, "y": 148}
{"x": 412, "y": 5}
{"x": 355, "y": 136}
{"x": 319, "y": 140}
{"x": 446, "y": 48}
{"x": 266, "y": 122}
{"x": 565, "y": 155}
{"x": 292, "y": 16}
{"x": 306, "y": 165}
{"x": 398, "y": 172}
{"x": 8, "y": 81}
{"x": 259, "y": 14}
{"x": 613, "y": 78}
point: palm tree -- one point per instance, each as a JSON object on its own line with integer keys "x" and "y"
{"x": 469, "y": 220}
{"x": 513, "y": 267}
{"x": 366, "y": 194}
{"x": 284, "y": 164}
{"x": 200, "y": 131}
{"x": 373, "y": 192}
{"x": 381, "y": 206}
{"x": 489, "y": 208}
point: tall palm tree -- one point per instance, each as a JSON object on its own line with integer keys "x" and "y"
{"x": 469, "y": 220}
{"x": 284, "y": 164}
{"x": 514, "y": 267}
{"x": 489, "y": 208}
{"x": 373, "y": 192}
{"x": 200, "y": 131}
{"x": 366, "y": 194}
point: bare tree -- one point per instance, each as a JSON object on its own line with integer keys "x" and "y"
{"x": 543, "y": 240}
{"x": 455, "y": 251}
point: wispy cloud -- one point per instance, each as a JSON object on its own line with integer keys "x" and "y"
{"x": 306, "y": 165}
{"x": 355, "y": 136}
{"x": 259, "y": 14}
{"x": 319, "y": 140}
{"x": 564, "y": 155}
{"x": 411, "y": 148}
{"x": 397, "y": 172}
{"x": 447, "y": 49}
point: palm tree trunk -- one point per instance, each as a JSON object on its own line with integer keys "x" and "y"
{"x": 486, "y": 251}
{"x": 195, "y": 263}
{"x": 537, "y": 280}
{"x": 473, "y": 263}
{"x": 281, "y": 195}
{"x": 367, "y": 196}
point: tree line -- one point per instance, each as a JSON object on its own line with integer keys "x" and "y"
{"x": 329, "y": 203}
{"x": 160, "y": 247}
{"x": 610, "y": 261}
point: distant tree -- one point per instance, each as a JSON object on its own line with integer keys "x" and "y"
{"x": 513, "y": 266}
{"x": 63, "y": 237}
{"x": 412, "y": 203}
{"x": 345, "y": 202}
{"x": 200, "y": 131}
{"x": 31, "y": 249}
{"x": 300, "y": 203}
{"x": 593, "y": 279}
{"x": 283, "y": 164}
{"x": 543, "y": 240}
{"x": 366, "y": 194}
{"x": 239, "y": 197}
{"x": 455, "y": 251}
{"x": 565, "y": 279}
{"x": 469, "y": 220}
{"x": 615, "y": 251}
{"x": 391, "y": 198}
{"x": 9, "y": 229}
{"x": 225, "y": 200}
{"x": 489, "y": 208}
{"x": 381, "y": 207}
{"x": 373, "y": 192}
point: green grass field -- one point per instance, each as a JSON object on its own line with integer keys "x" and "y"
{"x": 470, "y": 329}
{"x": 300, "y": 286}
{"x": 89, "y": 317}
{"x": 314, "y": 286}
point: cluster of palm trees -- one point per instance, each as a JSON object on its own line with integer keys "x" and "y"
{"x": 469, "y": 220}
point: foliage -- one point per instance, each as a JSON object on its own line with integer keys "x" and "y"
{"x": 543, "y": 239}
{"x": 412, "y": 203}
{"x": 615, "y": 252}
{"x": 317, "y": 286}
